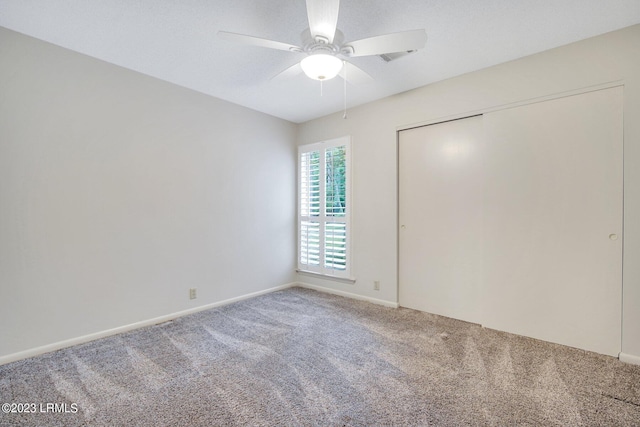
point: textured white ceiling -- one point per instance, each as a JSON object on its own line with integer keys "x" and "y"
{"x": 176, "y": 41}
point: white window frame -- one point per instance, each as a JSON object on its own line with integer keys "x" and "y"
{"x": 323, "y": 219}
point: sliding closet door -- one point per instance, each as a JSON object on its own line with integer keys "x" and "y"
{"x": 440, "y": 191}
{"x": 553, "y": 221}
{"x": 514, "y": 220}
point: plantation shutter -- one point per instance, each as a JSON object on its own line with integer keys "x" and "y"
{"x": 323, "y": 215}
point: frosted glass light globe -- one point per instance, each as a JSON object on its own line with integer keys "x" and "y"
{"x": 321, "y": 66}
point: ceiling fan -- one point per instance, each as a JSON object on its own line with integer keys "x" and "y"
{"x": 325, "y": 48}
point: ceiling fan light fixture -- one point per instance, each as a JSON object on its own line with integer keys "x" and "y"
{"x": 321, "y": 66}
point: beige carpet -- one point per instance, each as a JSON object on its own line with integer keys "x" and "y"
{"x": 303, "y": 358}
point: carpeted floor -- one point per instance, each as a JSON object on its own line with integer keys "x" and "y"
{"x": 303, "y": 358}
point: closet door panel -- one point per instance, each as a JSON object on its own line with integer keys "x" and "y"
{"x": 553, "y": 221}
{"x": 440, "y": 215}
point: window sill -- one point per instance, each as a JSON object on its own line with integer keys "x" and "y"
{"x": 349, "y": 280}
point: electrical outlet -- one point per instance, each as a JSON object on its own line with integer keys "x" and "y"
{"x": 192, "y": 293}
{"x": 376, "y": 285}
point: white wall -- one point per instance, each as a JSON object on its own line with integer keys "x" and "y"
{"x": 610, "y": 57}
{"x": 119, "y": 192}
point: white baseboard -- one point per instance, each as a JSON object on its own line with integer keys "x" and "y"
{"x": 348, "y": 295}
{"x": 126, "y": 328}
{"x": 629, "y": 358}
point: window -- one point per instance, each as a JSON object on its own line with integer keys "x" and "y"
{"x": 324, "y": 205}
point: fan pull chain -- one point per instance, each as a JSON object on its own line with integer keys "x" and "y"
{"x": 320, "y": 87}
{"x": 344, "y": 65}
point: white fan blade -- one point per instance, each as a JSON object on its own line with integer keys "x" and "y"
{"x": 257, "y": 41}
{"x": 292, "y": 71}
{"x": 389, "y": 43}
{"x": 354, "y": 75}
{"x": 323, "y": 18}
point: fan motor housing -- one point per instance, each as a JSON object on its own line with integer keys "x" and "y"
{"x": 321, "y": 44}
